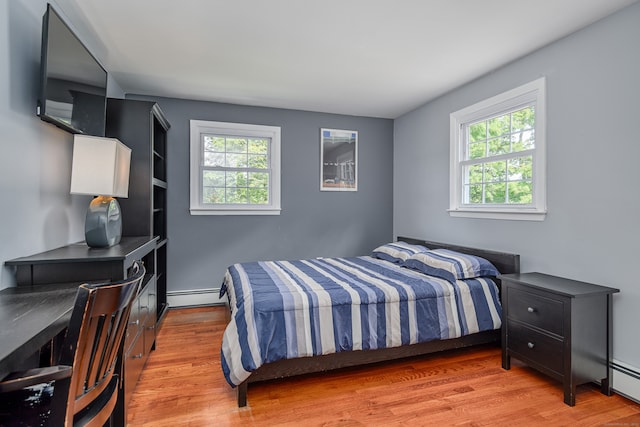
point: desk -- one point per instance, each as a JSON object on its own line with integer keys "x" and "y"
{"x": 38, "y": 315}
{"x": 30, "y": 316}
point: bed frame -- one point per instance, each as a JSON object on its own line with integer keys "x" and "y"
{"x": 504, "y": 262}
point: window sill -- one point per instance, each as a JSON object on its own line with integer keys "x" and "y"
{"x": 499, "y": 214}
{"x": 234, "y": 211}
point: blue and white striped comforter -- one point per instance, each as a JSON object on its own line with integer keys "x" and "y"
{"x": 289, "y": 309}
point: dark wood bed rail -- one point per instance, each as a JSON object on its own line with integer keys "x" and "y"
{"x": 504, "y": 262}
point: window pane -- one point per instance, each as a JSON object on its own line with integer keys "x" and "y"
{"x": 258, "y": 161}
{"x": 500, "y": 125}
{"x": 213, "y": 179}
{"x": 523, "y": 140}
{"x": 241, "y": 179}
{"x": 495, "y": 171}
{"x": 478, "y": 132}
{"x": 520, "y": 192}
{"x": 520, "y": 168}
{"x": 236, "y": 179}
{"x": 212, "y": 195}
{"x": 213, "y": 159}
{"x": 500, "y": 145}
{"x": 474, "y": 174}
{"x": 258, "y": 179}
{"x": 236, "y": 160}
{"x": 236, "y": 145}
{"x": 495, "y": 193}
{"x": 213, "y": 143}
{"x": 474, "y": 194}
{"x": 477, "y": 150}
{"x": 258, "y": 196}
{"x": 236, "y": 195}
{"x": 258, "y": 146}
{"x": 523, "y": 119}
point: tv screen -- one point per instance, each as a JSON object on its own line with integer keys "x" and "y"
{"x": 73, "y": 92}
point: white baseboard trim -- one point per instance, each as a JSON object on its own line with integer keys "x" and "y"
{"x": 626, "y": 380}
{"x": 194, "y": 298}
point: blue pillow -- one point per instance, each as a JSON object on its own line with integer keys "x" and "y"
{"x": 451, "y": 265}
{"x": 397, "y": 252}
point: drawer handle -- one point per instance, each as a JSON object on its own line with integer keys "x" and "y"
{"x": 530, "y": 345}
{"x": 137, "y": 356}
{"x": 531, "y": 309}
{"x": 136, "y": 322}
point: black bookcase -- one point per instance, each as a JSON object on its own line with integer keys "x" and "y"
{"x": 142, "y": 126}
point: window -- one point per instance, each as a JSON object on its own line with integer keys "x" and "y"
{"x": 235, "y": 169}
{"x": 498, "y": 156}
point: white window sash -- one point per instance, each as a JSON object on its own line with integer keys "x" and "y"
{"x": 532, "y": 93}
{"x": 199, "y": 128}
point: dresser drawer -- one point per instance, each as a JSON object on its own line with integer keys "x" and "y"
{"x": 133, "y": 328}
{"x": 133, "y": 364}
{"x": 535, "y": 346}
{"x": 536, "y": 310}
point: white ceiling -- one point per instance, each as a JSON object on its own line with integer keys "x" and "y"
{"x": 378, "y": 58}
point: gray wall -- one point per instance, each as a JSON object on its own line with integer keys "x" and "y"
{"x": 38, "y": 213}
{"x": 312, "y": 223}
{"x": 591, "y": 232}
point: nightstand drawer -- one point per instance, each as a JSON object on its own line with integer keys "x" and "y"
{"x": 535, "y": 346}
{"x": 536, "y": 310}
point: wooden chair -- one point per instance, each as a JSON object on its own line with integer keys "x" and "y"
{"x": 82, "y": 390}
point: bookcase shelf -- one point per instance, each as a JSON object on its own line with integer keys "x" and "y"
{"x": 142, "y": 126}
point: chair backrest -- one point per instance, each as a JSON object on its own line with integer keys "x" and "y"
{"x": 96, "y": 329}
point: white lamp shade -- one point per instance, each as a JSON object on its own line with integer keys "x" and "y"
{"x": 100, "y": 166}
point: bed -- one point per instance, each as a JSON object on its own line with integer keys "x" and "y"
{"x": 406, "y": 298}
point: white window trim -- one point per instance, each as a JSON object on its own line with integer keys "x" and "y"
{"x": 525, "y": 94}
{"x": 197, "y": 128}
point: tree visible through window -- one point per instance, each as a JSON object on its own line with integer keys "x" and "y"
{"x": 499, "y": 158}
{"x": 235, "y": 170}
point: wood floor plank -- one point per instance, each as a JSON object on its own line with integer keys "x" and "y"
{"x": 182, "y": 385}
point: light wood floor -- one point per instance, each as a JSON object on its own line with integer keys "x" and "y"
{"x": 182, "y": 385}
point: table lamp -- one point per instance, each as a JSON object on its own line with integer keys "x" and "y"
{"x": 101, "y": 168}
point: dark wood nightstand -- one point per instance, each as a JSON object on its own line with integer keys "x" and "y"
{"x": 560, "y": 327}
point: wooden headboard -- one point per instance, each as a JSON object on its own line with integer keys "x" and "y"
{"x": 505, "y": 262}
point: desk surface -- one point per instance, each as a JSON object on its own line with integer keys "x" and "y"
{"x": 78, "y": 262}
{"x": 129, "y": 247}
{"x": 29, "y": 317}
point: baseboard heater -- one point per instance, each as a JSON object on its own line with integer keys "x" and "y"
{"x": 195, "y": 297}
{"x": 626, "y": 380}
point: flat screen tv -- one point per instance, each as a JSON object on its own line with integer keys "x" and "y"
{"x": 73, "y": 93}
